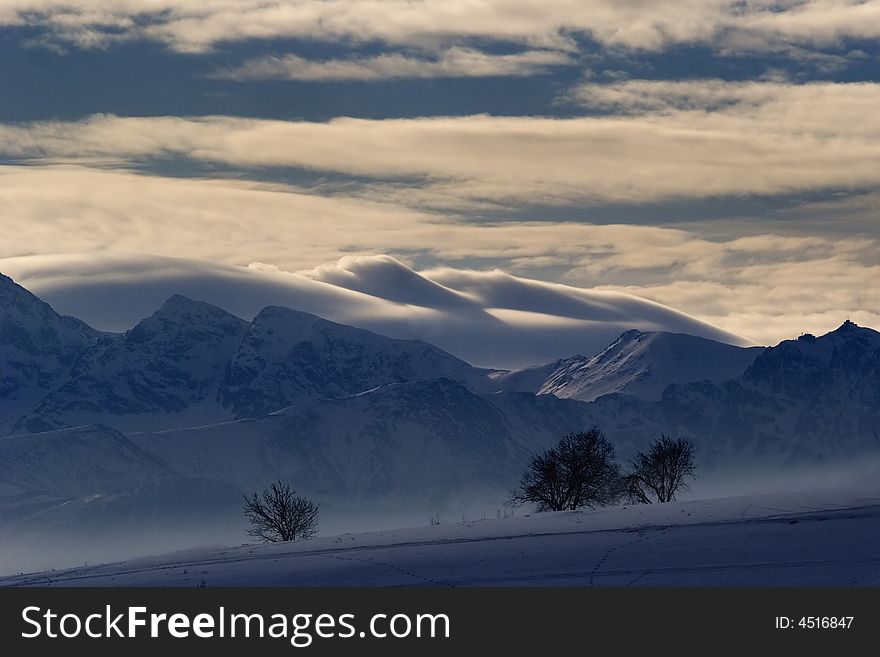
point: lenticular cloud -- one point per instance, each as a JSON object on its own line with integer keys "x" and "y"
{"x": 488, "y": 318}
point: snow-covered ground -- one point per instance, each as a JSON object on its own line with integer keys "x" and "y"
{"x": 827, "y": 537}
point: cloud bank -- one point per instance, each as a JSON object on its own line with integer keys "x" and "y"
{"x": 761, "y": 285}
{"x": 490, "y": 318}
{"x": 200, "y": 25}
{"x": 693, "y": 140}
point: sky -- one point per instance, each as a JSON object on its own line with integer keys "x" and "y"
{"x": 718, "y": 157}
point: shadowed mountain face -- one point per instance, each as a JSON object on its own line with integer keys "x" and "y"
{"x": 287, "y": 356}
{"x": 191, "y": 363}
{"x": 164, "y": 371}
{"x": 38, "y": 348}
{"x": 419, "y": 442}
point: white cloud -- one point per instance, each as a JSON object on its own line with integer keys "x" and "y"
{"x": 820, "y": 22}
{"x": 452, "y": 63}
{"x": 696, "y": 139}
{"x": 237, "y": 222}
{"x": 199, "y": 25}
{"x": 221, "y": 220}
{"x": 763, "y": 286}
{"x": 669, "y": 96}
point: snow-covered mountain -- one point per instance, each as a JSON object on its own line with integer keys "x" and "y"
{"x": 637, "y": 363}
{"x": 810, "y": 400}
{"x": 191, "y": 363}
{"x": 38, "y": 347}
{"x": 164, "y": 372}
{"x": 286, "y": 356}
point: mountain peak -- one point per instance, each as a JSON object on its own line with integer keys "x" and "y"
{"x": 179, "y": 300}
{"x": 625, "y": 338}
{"x": 849, "y": 330}
{"x": 644, "y": 363}
{"x": 810, "y": 366}
{"x": 39, "y": 346}
{"x": 180, "y": 313}
{"x": 287, "y": 355}
{"x": 822, "y": 347}
{"x": 295, "y": 324}
{"x": 278, "y": 312}
{"x": 9, "y": 289}
{"x": 26, "y": 311}
{"x": 179, "y": 307}
{"x": 848, "y": 326}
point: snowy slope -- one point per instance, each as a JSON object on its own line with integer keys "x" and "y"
{"x": 532, "y": 379}
{"x": 637, "y": 363}
{"x": 816, "y": 538}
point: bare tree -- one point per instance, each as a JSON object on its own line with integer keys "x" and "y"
{"x": 580, "y": 471}
{"x": 662, "y": 472}
{"x": 279, "y": 514}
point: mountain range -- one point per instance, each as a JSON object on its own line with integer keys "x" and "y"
{"x": 193, "y": 406}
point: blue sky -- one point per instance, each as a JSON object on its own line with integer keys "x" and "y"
{"x": 722, "y": 158}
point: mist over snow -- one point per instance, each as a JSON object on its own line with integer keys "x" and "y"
{"x": 488, "y": 318}
{"x": 823, "y": 533}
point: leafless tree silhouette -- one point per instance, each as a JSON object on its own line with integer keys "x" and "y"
{"x": 579, "y": 472}
{"x": 279, "y": 514}
{"x": 662, "y": 472}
